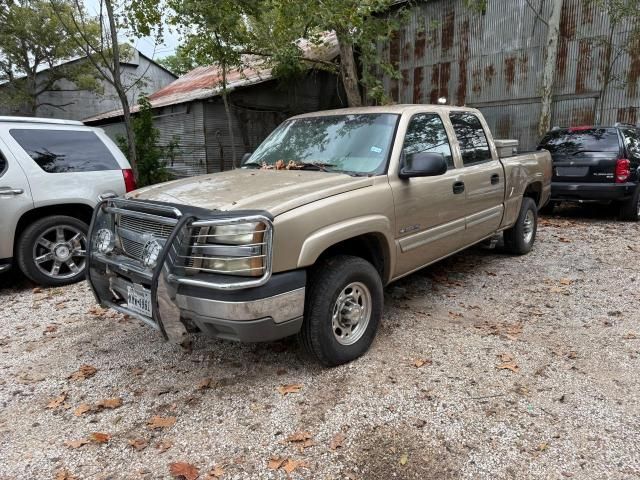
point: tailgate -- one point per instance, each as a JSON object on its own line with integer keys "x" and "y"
{"x": 583, "y": 154}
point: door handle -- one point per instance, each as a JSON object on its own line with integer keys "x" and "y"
{"x": 10, "y": 192}
{"x": 458, "y": 187}
{"x": 495, "y": 179}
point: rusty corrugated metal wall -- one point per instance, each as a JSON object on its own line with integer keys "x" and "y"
{"x": 493, "y": 61}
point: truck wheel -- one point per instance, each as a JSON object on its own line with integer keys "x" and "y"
{"x": 343, "y": 308}
{"x": 519, "y": 238}
{"x": 630, "y": 210}
{"x": 52, "y": 251}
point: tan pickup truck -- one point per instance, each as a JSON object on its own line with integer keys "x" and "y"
{"x": 303, "y": 237}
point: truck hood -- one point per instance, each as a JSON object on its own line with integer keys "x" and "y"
{"x": 275, "y": 191}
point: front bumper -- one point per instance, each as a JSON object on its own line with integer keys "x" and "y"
{"x": 267, "y": 311}
{"x": 565, "y": 191}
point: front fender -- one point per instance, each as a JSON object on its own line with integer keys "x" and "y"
{"x": 321, "y": 239}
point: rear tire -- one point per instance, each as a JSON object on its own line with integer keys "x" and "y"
{"x": 343, "y": 308}
{"x": 520, "y": 238}
{"x": 630, "y": 210}
{"x": 52, "y": 251}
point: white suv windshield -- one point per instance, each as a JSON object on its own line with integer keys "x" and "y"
{"x": 356, "y": 144}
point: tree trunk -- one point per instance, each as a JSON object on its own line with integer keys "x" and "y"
{"x": 608, "y": 67}
{"x": 229, "y": 120}
{"x": 349, "y": 71}
{"x": 120, "y": 90}
{"x": 549, "y": 72}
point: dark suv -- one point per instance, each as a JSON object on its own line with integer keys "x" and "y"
{"x": 596, "y": 164}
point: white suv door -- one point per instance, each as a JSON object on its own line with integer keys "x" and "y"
{"x": 15, "y": 199}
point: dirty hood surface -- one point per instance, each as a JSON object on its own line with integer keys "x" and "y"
{"x": 275, "y": 191}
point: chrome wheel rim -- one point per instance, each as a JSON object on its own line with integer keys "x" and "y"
{"x": 528, "y": 226}
{"x": 60, "y": 252}
{"x": 351, "y": 313}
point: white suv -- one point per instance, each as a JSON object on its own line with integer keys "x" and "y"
{"x": 52, "y": 174}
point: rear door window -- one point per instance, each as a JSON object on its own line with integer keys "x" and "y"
{"x": 426, "y": 133}
{"x": 474, "y": 146}
{"x": 64, "y": 151}
{"x": 575, "y": 141}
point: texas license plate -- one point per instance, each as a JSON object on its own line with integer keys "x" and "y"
{"x": 139, "y": 300}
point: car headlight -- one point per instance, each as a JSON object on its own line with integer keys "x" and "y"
{"x": 104, "y": 240}
{"x": 230, "y": 249}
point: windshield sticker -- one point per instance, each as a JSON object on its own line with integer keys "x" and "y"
{"x": 376, "y": 149}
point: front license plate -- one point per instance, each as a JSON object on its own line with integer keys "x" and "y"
{"x": 139, "y": 300}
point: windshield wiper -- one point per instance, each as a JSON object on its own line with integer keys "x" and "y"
{"x": 315, "y": 166}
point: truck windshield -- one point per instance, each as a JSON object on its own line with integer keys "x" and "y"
{"x": 354, "y": 144}
{"x": 574, "y": 141}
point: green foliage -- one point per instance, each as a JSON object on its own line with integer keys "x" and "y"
{"x": 150, "y": 155}
{"x": 179, "y": 63}
{"x": 33, "y": 37}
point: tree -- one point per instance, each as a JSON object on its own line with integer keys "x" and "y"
{"x": 103, "y": 52}
{"x": 149, "y": 153}
{"x": 179, "y": 63}
{"x": 622, "y": 37}
{"x": 33, "y": 50}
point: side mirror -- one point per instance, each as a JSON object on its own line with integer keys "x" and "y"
{"x": 423, "y": 164}
{"x": 245, "y": 157}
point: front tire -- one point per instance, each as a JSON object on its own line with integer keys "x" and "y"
{"x": 343, "y": 308}
{"x": 630, "y": 210}
{"x": 52, "y": 251}
{"x": 519, "y": 239}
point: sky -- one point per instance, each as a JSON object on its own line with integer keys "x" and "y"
{"x": 147, "y": 44}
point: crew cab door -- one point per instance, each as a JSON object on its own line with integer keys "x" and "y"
{"x": 482, "y": 174}
{"x": 15, "y": 199}
{"x": 430, "y": 211}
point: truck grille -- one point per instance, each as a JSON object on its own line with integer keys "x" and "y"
{"x": 134, "y": 232}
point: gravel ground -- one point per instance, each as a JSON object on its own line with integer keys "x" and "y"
{"x": 487, "y": 366}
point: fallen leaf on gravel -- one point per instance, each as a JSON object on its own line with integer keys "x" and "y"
{"x": 184, "y": 470}
{"x": 275, "y": 463}
{"x": 64, "y": 474}
{"x": 420, "y": 362}
{"x": 556, "y": 289}
{"x": 50, "y": 329}
{"x": 158, "y": 422}
{"x": 543, "y": 446}
{"x": 404, "y": 459}
{"x": 75, "y": 443}
{"x": 291, "y": 465}
{"x": 566, "y": 281}
{"x": 564, "y": 240}
{"x": 292, "y": 388}
{"x": 137, "y": 371}
{"x": 57, "y": 402}
{"x": 100, "y": 437}
{"x": 138, "y": 444}
{"x": 163, "y": 446}
{"x": 84, "y": 372}
{"x": 82, "y": 409}
{"x": 508, "y": 363}
{"x": 204, "y": 384}
{"x": 299, "y": 437}
{"x": 633, "y": 249}
{"x": 39, "y": 290}
{"x": 567, "y": 474}
{"x": 630, "y": 336}
{"x": 572, "y": 354}
{"x": 336, "y": 441}
{"x": 97, "y": 310}
{"x": 215, "y": 472}
{"x": 110, "y": 403}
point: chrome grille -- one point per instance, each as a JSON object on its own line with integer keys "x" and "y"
{"x": 134, "y": 232}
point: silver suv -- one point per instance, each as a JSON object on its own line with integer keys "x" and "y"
{"x": 52, "y": 174}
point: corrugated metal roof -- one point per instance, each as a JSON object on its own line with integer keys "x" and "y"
{"x": 205, "y": 82}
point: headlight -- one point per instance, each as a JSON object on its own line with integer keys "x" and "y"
{"x": 104, "y": 240}
{"x": 229, "y": 249}
{"x": 234, "y": 234}
{"x": 150, "y": 253}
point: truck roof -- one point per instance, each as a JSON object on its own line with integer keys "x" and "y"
{"x": 57, "y": 121}
{"x": 397, "y": 109}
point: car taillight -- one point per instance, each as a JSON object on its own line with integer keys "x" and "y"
{"x": 129, "y": 180}
{"x": 623, "y": 170}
